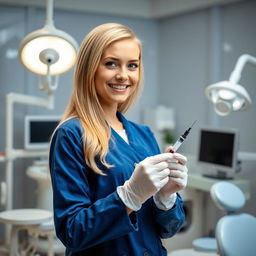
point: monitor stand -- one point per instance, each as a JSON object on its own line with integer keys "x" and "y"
{"x": 221, "y": 175}
{"x": 42, "y": 161}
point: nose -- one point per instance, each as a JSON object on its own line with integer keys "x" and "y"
{"x": 121, "y": 75}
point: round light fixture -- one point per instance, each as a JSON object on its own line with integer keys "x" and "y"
{"x": 228, "y": 97}
{"x": 45, "y": 41}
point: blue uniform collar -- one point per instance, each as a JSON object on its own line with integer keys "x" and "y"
{"x": 127, "y": 128}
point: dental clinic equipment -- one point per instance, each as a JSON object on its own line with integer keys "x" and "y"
{"x": 31, "y": 47}
{"x": 228, "y": 96}
{"x": 181, "y": 139}
{"x": 236, "y": 225}
{"x": 218, "y": 152}
{"x": 47, "y": 52}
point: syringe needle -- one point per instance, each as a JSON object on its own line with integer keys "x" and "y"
{"x": 180, "y": 140}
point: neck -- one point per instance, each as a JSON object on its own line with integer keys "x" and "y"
{"x": 112, "y": 120}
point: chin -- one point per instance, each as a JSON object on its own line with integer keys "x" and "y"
{"x": 121, "y": 99}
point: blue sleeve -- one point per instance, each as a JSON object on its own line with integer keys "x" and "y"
{"x": 81, "y": 223}
{"x": 169, "y": 222}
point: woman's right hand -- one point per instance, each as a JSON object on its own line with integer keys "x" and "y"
{"x": 149, "y": 176}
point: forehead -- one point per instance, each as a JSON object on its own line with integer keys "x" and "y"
{"x": 123, "y": 48}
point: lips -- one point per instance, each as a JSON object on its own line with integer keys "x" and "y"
{"x": 118, "y": 86}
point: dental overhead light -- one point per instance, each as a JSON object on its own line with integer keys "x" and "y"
{"x": 229, "y": 96}
{"x": 48, "y": 51}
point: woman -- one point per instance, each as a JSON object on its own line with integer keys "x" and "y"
{"x": 114, "y": 193}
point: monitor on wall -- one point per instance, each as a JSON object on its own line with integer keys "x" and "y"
{"x": 217, "y": 154}
{"x": 38, "y": 130}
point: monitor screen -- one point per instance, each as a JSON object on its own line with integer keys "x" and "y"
{"x": 218, "y": 152}
{"x": 38, "y": 131}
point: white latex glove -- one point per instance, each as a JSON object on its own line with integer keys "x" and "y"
{"x": 166, "y": 196}
{"x": 149, "y": 176}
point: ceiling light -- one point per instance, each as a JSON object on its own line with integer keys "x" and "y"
{"x": 48, "y": 51}
{"x": 228, "y": 96}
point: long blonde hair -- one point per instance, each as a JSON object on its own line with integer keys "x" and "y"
{"x": 84, "y": 103}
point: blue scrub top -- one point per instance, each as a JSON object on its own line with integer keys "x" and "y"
{"x": 90, "y": 218}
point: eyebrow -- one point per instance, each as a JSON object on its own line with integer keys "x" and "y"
{"x": 116, "y": 59}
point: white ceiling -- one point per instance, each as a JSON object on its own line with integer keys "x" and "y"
{"x": 136, "y": 8}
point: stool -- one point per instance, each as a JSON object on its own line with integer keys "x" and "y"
{"x": 51, "y": 245}
{"x": 27, "y": 219}
{"x": 205, "y": 244}
{"x": 190, "y": 252}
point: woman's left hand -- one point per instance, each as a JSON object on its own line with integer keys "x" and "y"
{"x": 166, "y": 196}
{"x": 178, "y": 176}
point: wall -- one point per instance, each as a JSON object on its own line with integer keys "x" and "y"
{"x": 196, "y": 50}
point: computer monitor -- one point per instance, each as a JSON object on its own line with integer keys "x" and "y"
{"x": 38, "y": 130}
{"x": 217, "y": 154}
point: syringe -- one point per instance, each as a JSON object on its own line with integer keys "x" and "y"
{"x": 181, "y": 139}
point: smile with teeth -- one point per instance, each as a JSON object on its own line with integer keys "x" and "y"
{"x": 118, "y": 86}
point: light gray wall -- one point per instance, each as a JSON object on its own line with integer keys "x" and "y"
{"x": 239, "y": 22}
{"x": 183, "y": 69}
{"x": 186, "y": 50}
{"x": 196, "y": 50}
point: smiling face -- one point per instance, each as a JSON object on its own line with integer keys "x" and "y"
{"x": 118, "y": 73}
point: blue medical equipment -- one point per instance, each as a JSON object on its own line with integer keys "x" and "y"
{"x": 235, "y": 232}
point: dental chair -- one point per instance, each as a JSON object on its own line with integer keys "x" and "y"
{"x": 228, "y": 198}
{"x": 235, "y": 232}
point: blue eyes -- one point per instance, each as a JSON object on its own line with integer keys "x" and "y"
{"x": 110, "y": 64}
{"x": 113, "y": 64}
{"x": 133, "y": 65}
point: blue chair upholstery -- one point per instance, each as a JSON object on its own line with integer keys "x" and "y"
{"x": 235, "y": 232}
{"x": 227, "y": 196}
{"x": 205, "y": 244}
{"x": 236, "y": 235}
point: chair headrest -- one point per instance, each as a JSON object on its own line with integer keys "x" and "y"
{"x": 227, "y": 196}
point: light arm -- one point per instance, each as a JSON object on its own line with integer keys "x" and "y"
{"x": 228, "y": 96}
{"x": 242, "y": 60}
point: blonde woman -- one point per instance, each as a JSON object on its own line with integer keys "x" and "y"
{"x": 114, "y": 193}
